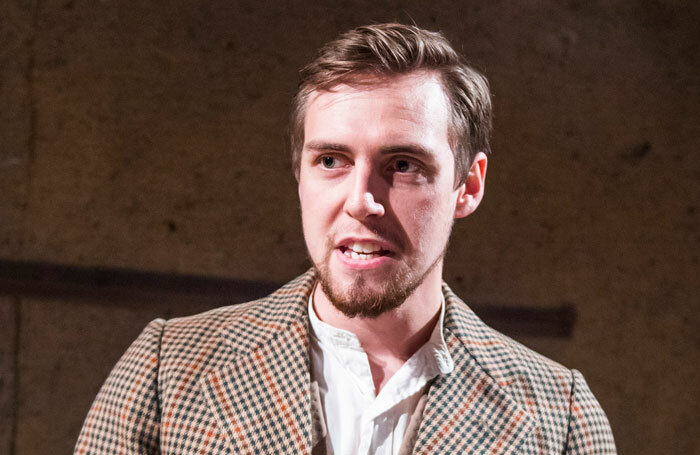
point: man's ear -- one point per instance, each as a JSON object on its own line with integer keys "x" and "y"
{"x": 471, "y": 191}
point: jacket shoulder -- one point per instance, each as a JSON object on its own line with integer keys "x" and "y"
{"x": 202, "y": 342}
{"x": 501, "y": 356}
{"x": 558, "y": 398}
{"x": 568, "y": 414}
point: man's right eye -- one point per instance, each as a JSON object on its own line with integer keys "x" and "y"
{"x": 329, "y": 162}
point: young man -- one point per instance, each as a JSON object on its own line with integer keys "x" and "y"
{"x": 369, "y": 352}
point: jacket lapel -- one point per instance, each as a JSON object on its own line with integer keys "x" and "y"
{"x": 470, "y": 410}
{"x": 261, "y": 398}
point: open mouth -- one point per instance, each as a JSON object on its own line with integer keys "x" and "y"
{"x": 363, "y": 250}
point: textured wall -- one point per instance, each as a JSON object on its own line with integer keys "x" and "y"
{"x": 8, "y": 372}
{"x": 152, "y": 138}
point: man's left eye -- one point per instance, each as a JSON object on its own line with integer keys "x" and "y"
{"x": 329, "y": 162}
{"x": 404, "y": 166}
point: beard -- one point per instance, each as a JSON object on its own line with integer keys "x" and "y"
{"x": 360, "y": 300}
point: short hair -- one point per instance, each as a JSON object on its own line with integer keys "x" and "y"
{"x": 385, "y": 50}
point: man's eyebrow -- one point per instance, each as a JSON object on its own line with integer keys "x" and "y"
{"x": 322, "y": 146}
{"x": 416, "y": 150}
{"x": 409, "y": 149}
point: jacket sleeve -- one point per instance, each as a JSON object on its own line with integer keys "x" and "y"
{"x": 589, "y": 431}
{"x": 125, "y": 416}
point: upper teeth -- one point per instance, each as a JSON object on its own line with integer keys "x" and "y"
{"x": 364, "y": 247}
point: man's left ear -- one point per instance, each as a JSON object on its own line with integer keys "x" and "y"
{"x": 471, "y": 191}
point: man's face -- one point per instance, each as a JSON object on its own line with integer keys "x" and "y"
{"x": 376, "y": 187}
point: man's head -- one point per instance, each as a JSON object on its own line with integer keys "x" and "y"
{"x": 380, "y": 179}
{"x": 386, "y": 50}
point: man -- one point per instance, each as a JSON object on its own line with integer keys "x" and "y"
{"x": 369, "y": 352}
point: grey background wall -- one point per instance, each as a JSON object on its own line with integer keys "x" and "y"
{"x": 150, "y": 137}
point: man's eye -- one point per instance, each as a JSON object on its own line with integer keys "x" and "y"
{"x": 405, "y": 166}
{"x": 329, "y": 162}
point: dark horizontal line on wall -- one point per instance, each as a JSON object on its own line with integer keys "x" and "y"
{"x": 39, "y": 279}
{"x": 45, "y": 280}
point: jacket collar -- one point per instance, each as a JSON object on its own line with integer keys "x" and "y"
{"x": 472, "y": 409}
{"x": 261, "y": 398}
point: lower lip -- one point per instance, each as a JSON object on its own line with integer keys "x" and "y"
{"x": 361, "y": 263}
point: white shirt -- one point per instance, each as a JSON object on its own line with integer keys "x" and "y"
{"x": 357, "y": 421}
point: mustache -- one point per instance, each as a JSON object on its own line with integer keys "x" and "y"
{"x": 395, "y": 238}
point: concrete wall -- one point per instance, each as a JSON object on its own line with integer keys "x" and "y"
{"x": 151, "y": 137}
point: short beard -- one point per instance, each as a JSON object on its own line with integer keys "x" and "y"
{"x": 359, "y": 301}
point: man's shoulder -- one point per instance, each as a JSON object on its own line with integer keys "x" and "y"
{"x": 564, "y": 409}
{"x": 202, "y": 327}
{"x": 536, "y": 363}
{"x": 545, "y": 378}
{"x": 235, "y": 327}
{"x": 503, "y": 358}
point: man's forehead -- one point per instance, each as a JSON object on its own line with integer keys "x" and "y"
{"x": 403, "y": 114}
{"x": 365, "y": 83}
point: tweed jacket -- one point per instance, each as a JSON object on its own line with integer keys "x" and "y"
{"x": 237, "y": 380}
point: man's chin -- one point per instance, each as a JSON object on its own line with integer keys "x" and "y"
{"x": 360, "y": 296}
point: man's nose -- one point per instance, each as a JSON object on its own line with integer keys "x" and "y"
{"x": 363, "y": 200}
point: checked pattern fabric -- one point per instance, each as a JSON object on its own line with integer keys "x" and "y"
{"x": 236, "y": 380}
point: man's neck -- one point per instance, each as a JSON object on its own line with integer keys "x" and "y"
{"x": 393, "y": 337}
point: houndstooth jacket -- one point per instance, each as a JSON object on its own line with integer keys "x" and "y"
{"x": 236, "y": 380}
